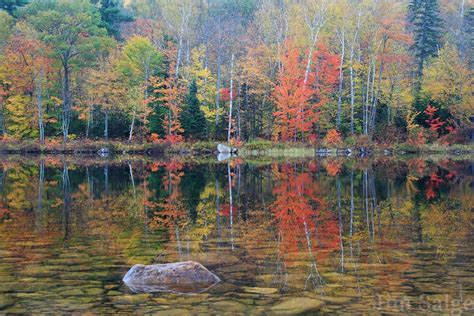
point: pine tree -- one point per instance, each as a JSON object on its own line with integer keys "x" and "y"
{"x": 467, "y": 38}
{"x": 426, "y": 23}
{"x": 12, "y": 5}
{"x": 111, "y": 14}
{"x": 192, "y": 117}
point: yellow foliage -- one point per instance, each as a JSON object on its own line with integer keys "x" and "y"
{"x": 205, "y": 82}
{"x": 21, "y": 121}
{"x": 447, "y": 80}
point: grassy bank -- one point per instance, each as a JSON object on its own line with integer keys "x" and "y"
{"x": 249, "y": 149}
{"x": 290, "y": 150}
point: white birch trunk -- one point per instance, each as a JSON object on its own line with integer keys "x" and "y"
{"x": 231, "y": 97}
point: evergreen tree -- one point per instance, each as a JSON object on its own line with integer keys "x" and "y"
{"x": 192, "y": 118}
{"x": 426, "y": 23}
{"x": 467, "y": 38}
{"x": 111, "y": 13}
{"x": 11, "y": 5}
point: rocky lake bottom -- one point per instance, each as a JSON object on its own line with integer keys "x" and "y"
{"x": 329, "y": 235}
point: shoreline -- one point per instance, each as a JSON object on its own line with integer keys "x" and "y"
{"x": 250, "y": 149}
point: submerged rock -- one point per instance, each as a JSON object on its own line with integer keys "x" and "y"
{"x": 260, "y": 290}
{"x": 178, "y": 277}
{"x": 297, "y": 305}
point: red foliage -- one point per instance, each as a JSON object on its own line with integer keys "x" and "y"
{"x": 325, "y": 74}
{"x": 225, "y": 94}
{"x": 433, "y": 184}
{"x": 434, "y": 123}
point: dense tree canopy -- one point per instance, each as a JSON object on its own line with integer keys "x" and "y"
{"x": 290, "y": 71}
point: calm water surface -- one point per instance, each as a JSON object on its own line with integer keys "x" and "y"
{"x": 379, "y": 235}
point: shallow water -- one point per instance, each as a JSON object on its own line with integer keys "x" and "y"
{"x": 381, "y": 235}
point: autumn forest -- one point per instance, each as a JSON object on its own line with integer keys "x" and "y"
{"x": 236, "y": 157}
{"x": 332, "y": 73}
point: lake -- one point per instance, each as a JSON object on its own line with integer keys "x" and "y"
{"x": 381, "y": 235}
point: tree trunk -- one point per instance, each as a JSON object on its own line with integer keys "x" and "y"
{"x": 352, "y": 204}
{"x": 239, "y": 130}
{"x": 372, "y": 98}
{"x": 231, "y": 97}
{"x": 132, "y": 180}
{"x": 218, "y": 93}
{"x": 366, "y": 101}
{"x": 351, "y": 69}
{"x": 2, "y": 117}
{"x": 178, "y": 57}
{"x": 231, "y": 204}
{"x": 339, "y": 212}
{"x": 373, "y": 114}
{"x": 341, "y": 78}
{"x": 315, "y": 25}
{"x": 39, "y": 104}
{"x": 39, "y": 209}
{"x": 106, "y": 179}
{"x": 106, "y": 125}
{"x": 66, "y": 186}
{"x": 351, "y": 73}
{"x": 89, "y": 121}
{"x": 66, "y": 96}
{"x": 134, "y": 113}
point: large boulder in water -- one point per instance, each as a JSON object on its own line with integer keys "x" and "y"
{"x": 223, "y": 149}
{"x": 178, "y": 277}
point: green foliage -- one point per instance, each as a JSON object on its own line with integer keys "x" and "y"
{"x": 192, "y": 185}
{"x": 424, "y": 15}
{"x": 6, "y": 25}
{"x": 111, "y": 13}
{"x": 258, "y": 144}
{"x": 70, "y": 28}
{"x": 87, "y": 69}
{"x": 192, "y": 118}
{"x": 139, "y": 60}
{"x": 11, "y": 6}
{"x": 157, "y": 118}
{"x": 447, "y": 81}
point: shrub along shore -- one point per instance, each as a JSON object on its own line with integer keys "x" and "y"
{"x": 251, "y": 148}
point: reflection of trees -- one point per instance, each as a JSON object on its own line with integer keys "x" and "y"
{"x": 191, "y": 187}
{"x": 169, "y": 211}
{"x": 366, "y": 219}
{"x": 301, "y": 218}
{"x": 66, "y": 187}
{"x": 446, "y": 224}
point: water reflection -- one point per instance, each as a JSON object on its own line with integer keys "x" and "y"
{"x": 294, "y": 236}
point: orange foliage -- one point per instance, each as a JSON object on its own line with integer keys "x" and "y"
{"x": 325, "y": 74}
{"x": 333, "y": 137}
{"x": 169, "y": 212}
{"x": 26, "y": 58}
{"x": 333, "y": 167}
{"x": 170, "y": 94}
{"x": 154, "y": 138}
{"x": 299, "y": 213}
{"x": 297, "y": 100}
{"x": 295, "y": 111}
